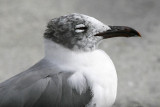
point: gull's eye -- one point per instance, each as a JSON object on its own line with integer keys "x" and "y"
{"x": 80, "y": 28}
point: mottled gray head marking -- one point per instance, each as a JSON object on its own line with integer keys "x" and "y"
{"x": 81, "y": 32}
{"x": 75, "y": 31}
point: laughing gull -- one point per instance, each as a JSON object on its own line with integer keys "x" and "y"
{"x": 74, "y": 72}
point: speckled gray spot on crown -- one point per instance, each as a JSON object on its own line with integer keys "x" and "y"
{"x": 62, "y": 30}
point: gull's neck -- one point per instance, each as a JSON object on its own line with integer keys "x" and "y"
{"x": 59, "y": 54}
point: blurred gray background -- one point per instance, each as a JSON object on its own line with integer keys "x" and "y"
{"x": 137, "y": 60}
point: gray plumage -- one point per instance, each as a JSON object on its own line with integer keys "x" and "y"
{"x": 62, "y": 31}
{"x": 43, "y": 85}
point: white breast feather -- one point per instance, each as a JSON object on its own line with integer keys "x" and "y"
{"x": 91, "y": 68}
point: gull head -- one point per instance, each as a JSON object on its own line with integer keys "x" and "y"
{"x": 80, "y": 32}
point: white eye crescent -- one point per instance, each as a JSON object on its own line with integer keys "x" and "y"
{"x": 80, "y": 28}
{"x": 79, "y": 31}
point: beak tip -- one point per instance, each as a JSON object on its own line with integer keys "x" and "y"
{"x": 134, "y": 33}
{"x": 138, "y": 34}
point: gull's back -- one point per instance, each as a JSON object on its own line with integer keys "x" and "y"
{"x": 43, "y": 85}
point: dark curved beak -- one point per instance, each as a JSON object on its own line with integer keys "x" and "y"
{"x": 119, "y": 31}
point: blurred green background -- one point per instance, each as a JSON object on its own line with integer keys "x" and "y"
{"x": 137, "y": 60}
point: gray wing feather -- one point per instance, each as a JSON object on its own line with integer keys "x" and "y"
{"x": 42, "y": 85}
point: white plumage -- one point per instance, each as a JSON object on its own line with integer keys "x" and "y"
{"x": 95, "y": 66}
